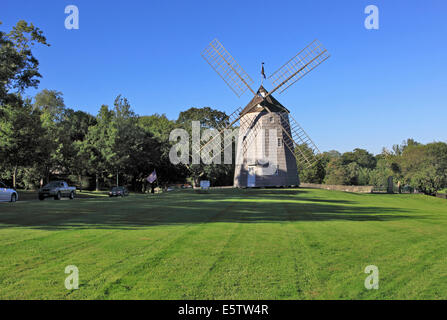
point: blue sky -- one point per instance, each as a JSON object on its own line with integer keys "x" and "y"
{"x": 378, "y": 88}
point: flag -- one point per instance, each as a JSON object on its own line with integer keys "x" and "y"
{"x": 152, "y": 177}
{"x": 262, "y": 70}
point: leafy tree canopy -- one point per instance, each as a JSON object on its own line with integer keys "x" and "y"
{"x": 19, "y": 69}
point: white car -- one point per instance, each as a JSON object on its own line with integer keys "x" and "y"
{"x": 8, "y": 194}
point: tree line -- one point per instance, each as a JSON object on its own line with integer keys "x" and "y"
{"x": 413, "y": 165}
{"x": 42, "y": 139}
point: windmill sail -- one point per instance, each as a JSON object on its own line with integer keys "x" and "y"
{"x": 228, "y": 69}
{"x": 263, "y": 111}
{"x": 228, "y": 123}
{"x": 300, "y": 143}
{"x": 300, "y": 65}
{"x": 234, "y": 120}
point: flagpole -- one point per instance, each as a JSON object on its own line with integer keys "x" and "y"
{"x": 262, "y": 73}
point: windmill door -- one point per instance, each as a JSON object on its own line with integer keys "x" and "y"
{"x": 251, "y": 177}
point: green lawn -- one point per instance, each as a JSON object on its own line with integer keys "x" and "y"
{"x": 226, "y": 244}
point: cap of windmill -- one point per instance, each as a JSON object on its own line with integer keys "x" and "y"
{"x": 262, "y": 100}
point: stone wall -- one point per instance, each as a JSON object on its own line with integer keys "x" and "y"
{"x": 359, "y": 189}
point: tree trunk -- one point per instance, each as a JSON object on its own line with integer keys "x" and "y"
{"x": 47, "y": 175}
{"x": 14, "y": 176}
{"x": 97, "y": 182}
{"x": 80, "y": 182}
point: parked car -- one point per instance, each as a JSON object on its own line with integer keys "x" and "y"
{"x": 118, "y": 192}
{"x": 8, "y": 194}
{"x": 57, "y": 190}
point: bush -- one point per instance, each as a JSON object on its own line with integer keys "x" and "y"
{"x": 427, "y": 181}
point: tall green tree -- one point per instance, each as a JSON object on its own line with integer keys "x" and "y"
{"x": 21, "y": 133}
{"x": 209, "y": 118}
{"x": 97, "y": 147}
{"x": 424, "y": 167}
{"x": 135, "y": 150}
{"x": 360, "y": 156}
{"x": 160, "y": 127}
{"x": 51, "y": 105}
{"x": 336, "y": 173}
{"x": 117, "y": 150}
{"x": 74, "y": 129}
{"x": 19, "y": 69}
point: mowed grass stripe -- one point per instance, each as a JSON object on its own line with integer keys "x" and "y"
{"x": 305, "y": 279}
{"x": 228, "y": 272}
{"x": 84, "y": 245}
{"x": 249, "y": 263}
{"x": 241, "y": 244}
{"x": 145, "y": 277}
{"x": 369, "y": 238}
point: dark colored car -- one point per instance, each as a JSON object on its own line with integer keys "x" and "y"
{"x": 118, "y": 192}
{"x": 57, "y": 190}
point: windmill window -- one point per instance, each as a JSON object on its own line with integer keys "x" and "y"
{"x": 279, "y": 142}
{"x": 271, "y": 119}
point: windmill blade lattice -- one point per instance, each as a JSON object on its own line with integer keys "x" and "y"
{"x": 229, "y": 122}
{"x": 300, "y": 144}
{"x": 228, "y": 69}
{"x": 234, "y": 120}
{"x": 250, "y": 136}
{"x": 300, "y": 65}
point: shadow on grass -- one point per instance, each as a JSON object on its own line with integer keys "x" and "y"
{"x": 27, "y": 195}
{"x": 230, "y": 206}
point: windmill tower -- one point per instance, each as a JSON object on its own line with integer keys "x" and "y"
{"x": 270, "y": 141}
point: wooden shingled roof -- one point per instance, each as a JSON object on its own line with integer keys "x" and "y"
{"x": 257, "y": 103}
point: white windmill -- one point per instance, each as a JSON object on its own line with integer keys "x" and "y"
{"x": 263, "y": 114}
